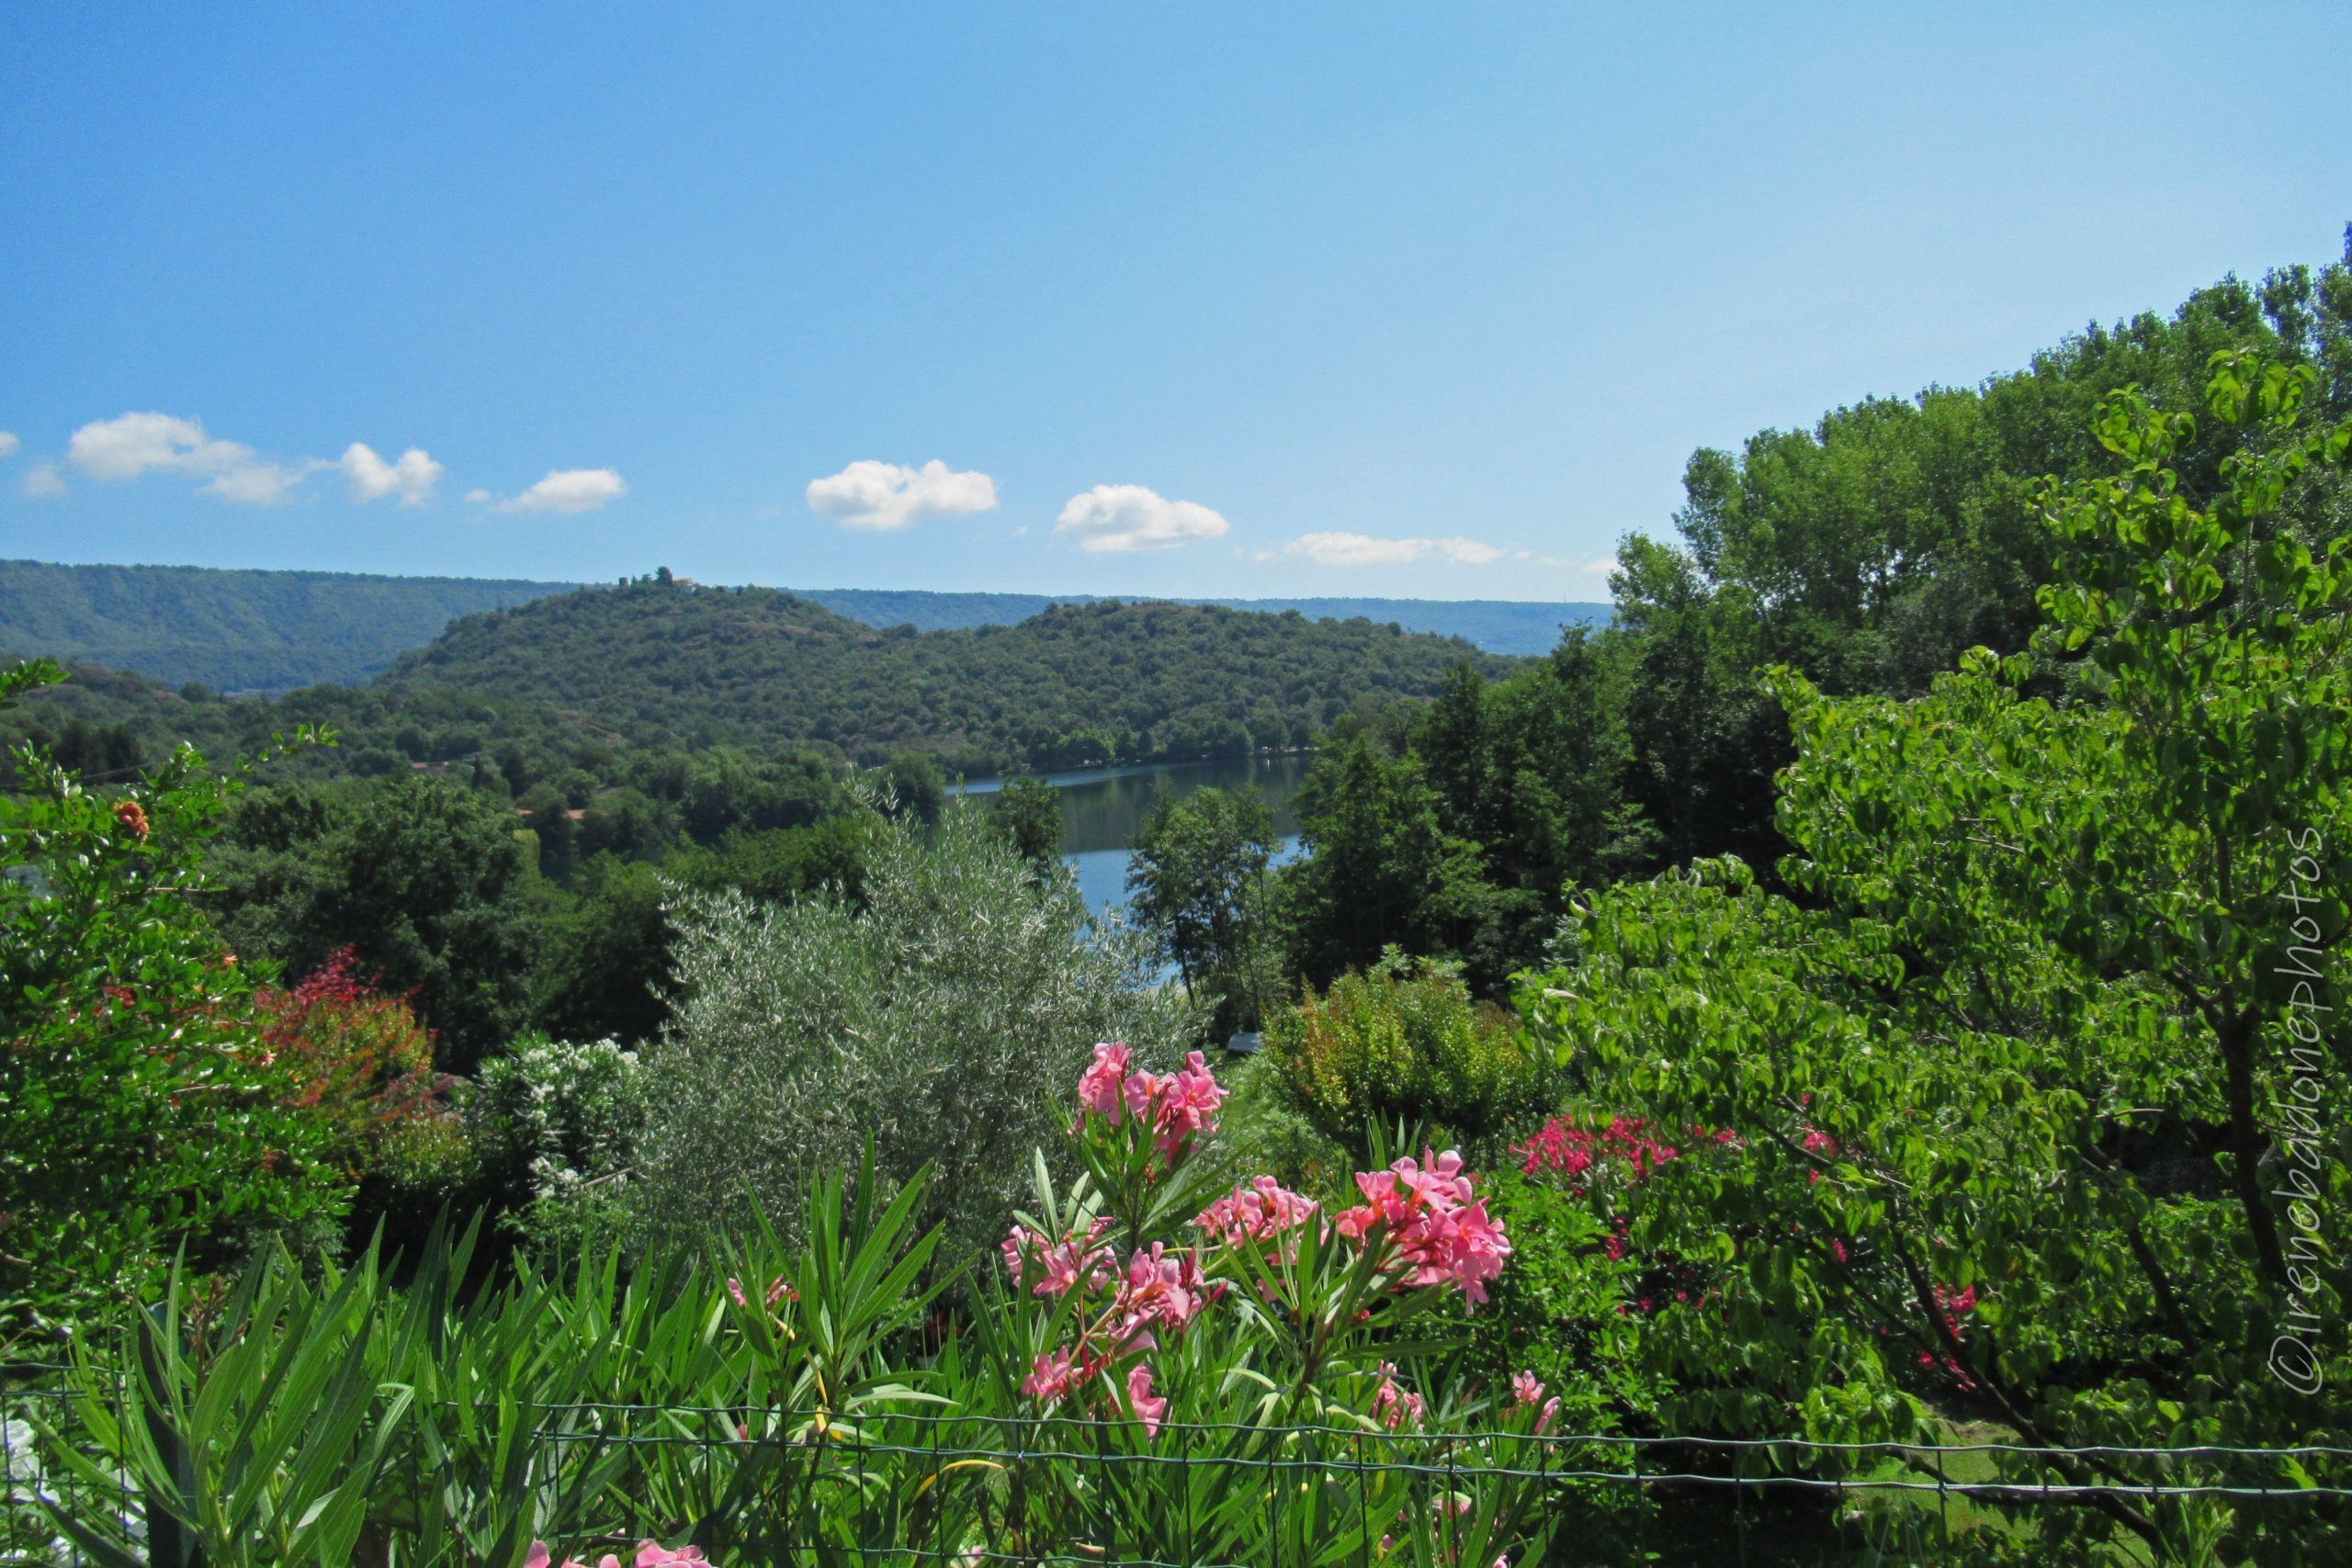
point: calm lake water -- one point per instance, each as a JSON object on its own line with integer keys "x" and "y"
{"x": 1102, "y": 808}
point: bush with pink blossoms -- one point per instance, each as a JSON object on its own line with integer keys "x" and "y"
{"x": 650, "y": 1554}
{"x": 1156, "y": 1303}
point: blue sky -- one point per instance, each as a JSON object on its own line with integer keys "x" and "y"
{"x": 1408, "y": 300}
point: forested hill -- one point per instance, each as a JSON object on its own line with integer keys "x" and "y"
{"x": 1078, "y": 683}
{"x": 235, "y": 630}
{"x": 1518, "y": 627}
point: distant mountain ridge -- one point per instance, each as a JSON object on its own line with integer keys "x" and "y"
{"x": 237, "y": 630}
{"x": 274, "y": 630}
{"x": 1516, "y": 627}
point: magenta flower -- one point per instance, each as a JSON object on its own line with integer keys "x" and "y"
{"x": 1436, "y": 1227}
{"x": 1187, "y": 1105}
{"x": 1392, "y": 1405}
{"x": 1258, "y": 1209}
{"x": 1062, "y": 1265}
{"x": 1525, "y": 1391}
{"x": 1157, "y": 1288}
{"x": 650, "y": 1554}
{"x": 1051, "y": 1377}
{"x": 1101, "y": 1089}
{"x": 1148, "y": 1410}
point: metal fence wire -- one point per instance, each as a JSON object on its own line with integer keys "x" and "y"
{"x": 943, "y": 1487}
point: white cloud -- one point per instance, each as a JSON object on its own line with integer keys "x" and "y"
{"x": 1604, "y": 565}
{"x": 569, "y": 490}
{"x": 132, "y": 443}
{"x": 1129, "y": 517}
{"x": 884, "y": 496}
{"x": 8, "y": 444}
{"x": 412, "y": 478}
{"x": 1362, "y": 549}
{"x": 478, "y": 497}
{"x": 127, "y": 446}
{"x": 43, "y": 481}
{"x": 258, "y": 484}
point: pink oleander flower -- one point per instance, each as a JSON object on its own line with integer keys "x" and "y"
{"x": 1157, "y": 1288}
{"x": 1102, "y": 1088}
{"x": 1392, "y": 1405}
{"x": 1051, "y": 1377}
{"x": 650, "y": 1554}
{"x": 1436, "y": 1226}
{"x": 653, "y": 1554}
{"x": 1148, "y": 1410}
{"x": 1187, "y": 1101}
{"x": 1257, "y": 1209}
{"x": 1063, "y": 1264}
{"x": 1526, "y": 1392}
{"x": 777, "y": 1290}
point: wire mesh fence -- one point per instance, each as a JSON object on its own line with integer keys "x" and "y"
{"x": 918, "y": 1486}
{"x": 36, "y": 1419}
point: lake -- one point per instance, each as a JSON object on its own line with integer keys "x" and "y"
{"x": 1101, "y": 808}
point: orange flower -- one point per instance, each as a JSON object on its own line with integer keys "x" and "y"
{"x": 133, "y": 816}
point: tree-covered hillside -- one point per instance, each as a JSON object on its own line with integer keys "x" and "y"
{"x": 235, "y": 630}
{"x": 1079, "y": 684}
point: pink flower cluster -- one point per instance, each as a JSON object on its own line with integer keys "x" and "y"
{"x": 1257, "y": 1210}
{"x": 1952, "y": 1305}
{"x": 1433, "y": 1223}
{"x": 1062, "y": 1265}
{"x": 1179, "y": 1106}
{"x": 1159, "y": 1290}
{"x": 1574, "y": 1151}
{"x": 1158, "y": 1287}
{"x": 1526, "y": 1392}
{"x": 1053, "y": 1376}
{"x": 779, "y": 1288}
{"x": 1392, "y": 1405}
{"x": 650, "y": 1554}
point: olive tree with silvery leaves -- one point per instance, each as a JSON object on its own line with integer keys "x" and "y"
{"x": 937, "y": 1019}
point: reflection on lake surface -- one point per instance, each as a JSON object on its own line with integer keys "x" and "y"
{"x": 1101, "y": 808}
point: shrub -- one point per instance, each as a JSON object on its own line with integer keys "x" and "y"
{"x": 556, "y": 1124}
{"x": 1403, "y": 1043}
{"x": 145, "y": 1115}
{"x": 361, "y": 1063}
{"x": 933, "y": 1019}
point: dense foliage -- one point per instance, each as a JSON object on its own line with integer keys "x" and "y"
{"x": 2027, "y": 1102}
{"x": 1403, "y": 1043}
{"x": 146, "y": 1114}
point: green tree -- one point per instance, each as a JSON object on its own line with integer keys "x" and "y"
{"x": 143, "y": 1115}
{"x": 423, "y": 878}
{"x": 1196, "y": 878}
{"x": 932, "y": 1018}
{"x": 1028, "y": 813}
{"x": 2022, "y": 1101}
